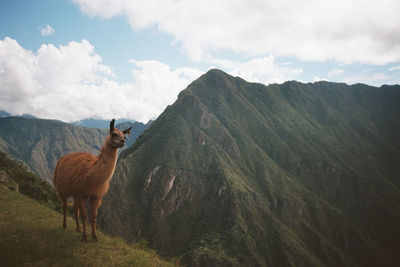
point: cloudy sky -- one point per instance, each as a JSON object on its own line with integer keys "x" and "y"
{"x": 73, "y": 59}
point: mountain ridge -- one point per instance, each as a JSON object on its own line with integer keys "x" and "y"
{"x": 237, "y": 173}
{"x": 99, "y": 123}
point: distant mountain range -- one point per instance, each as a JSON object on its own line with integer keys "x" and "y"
{"x": 88, "y": 122}
{"x": 40, "y": 143}
{"x": 4, "y": 113}
{"x": 237, "y": 173}
{"x": 98, "y": 123}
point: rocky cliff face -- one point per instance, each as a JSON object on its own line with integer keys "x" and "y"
{"x": 236, "y": 173}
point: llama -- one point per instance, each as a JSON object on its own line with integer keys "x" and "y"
{"x": 85, "y": 176}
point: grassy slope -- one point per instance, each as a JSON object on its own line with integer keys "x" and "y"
{"x": 31, "y": 235}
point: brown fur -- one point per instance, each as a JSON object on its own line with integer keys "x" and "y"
{"x": 85, "y": 176}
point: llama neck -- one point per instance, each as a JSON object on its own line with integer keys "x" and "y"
{"x": 105, "y": 164}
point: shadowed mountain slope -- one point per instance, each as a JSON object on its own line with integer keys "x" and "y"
{"x": 238, "y": 173}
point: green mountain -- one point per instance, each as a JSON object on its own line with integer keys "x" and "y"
{"x": 31, "y": 235}
{"x": 237, "y": 173}
{"x": 40, "y": 143}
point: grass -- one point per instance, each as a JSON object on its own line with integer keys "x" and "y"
{"x": 31, "y": 235}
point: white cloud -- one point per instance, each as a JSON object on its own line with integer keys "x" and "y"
{"x": 335, "y": 72}
{"x": 318, "y": 79}
{"x": 372, "y": 78}
{"x": 47, "y": 30}
{"x": 155, "y": 86}
{"x": 346, "y": 31}
{"x": 262, "y": 69}
{"x": 70, "y": 83}
{"x": 395, "y": 68}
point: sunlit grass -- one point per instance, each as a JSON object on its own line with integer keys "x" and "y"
{"x": 31, "y": 235}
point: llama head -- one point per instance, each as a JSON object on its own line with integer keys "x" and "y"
{"x": 116, "y": 138}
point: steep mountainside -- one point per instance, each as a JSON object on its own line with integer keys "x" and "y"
{"x": 40, "y": 143}
{"x": 237, "y": 173}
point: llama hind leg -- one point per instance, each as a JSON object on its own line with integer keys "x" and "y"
{"x": 94, "y": 205}
{"x": 83, "y": 213}
{"x": 76, "y": 212}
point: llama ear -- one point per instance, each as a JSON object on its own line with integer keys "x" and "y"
{"x": 127, "y": 131}
{"x": 112, "y": 122}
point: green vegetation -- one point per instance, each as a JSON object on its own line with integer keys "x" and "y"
{"x": 28, "y": 183}
{"x": 238, "y": 173}
{"x": 31, "y": 235}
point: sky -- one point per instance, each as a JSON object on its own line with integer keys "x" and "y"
{"x": 76, "y": 59}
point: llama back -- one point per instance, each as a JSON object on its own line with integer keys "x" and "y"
{"x": 71, "y": 171}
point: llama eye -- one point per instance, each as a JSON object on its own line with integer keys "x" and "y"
{"x": 114, "y": 134}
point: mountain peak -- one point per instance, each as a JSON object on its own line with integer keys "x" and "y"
{"x": 210, "y": 83}
{"x": 216, "y": 72}
{"x": 238, "y": 173}
{"x": 215, "y": 75}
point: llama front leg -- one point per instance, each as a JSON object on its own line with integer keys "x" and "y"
{"x": 83, "y": 213}
{"x": 65, "y": 207}
{"x": 94, "y": 205}
{"x": 76, "y": 212}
